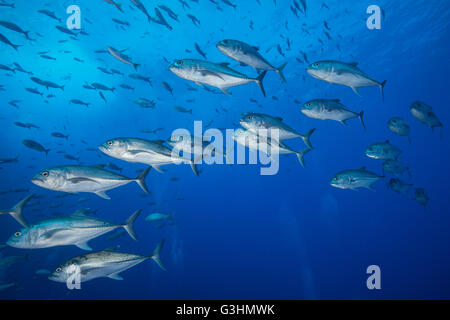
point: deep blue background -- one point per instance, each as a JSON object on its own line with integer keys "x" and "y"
{"x": 239, "y": 235}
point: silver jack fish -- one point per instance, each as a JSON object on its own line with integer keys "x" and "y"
{"x": 347, "y": 74}
{"x": 266, "y": 145}
{"x": 74, "y": 179}
{"x": 399, "y": 186}
{"x": 395, "y": 167}
{"x": 151, "y": 152}
{"x": 76, "y": 229}
{"x": 257, "y": 121}
{"x": 383, "y": 151}
{"x": 355, "y": 179}
{"x": 217, "y": 75}
{"x": 399, "y": 126}
{"x": 424, "y": 113}
{"x": 248, "y": 55}
{"x": 103, "y": 264}
{"x": 326, "y": 109}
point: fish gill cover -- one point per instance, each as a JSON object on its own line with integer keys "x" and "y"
{"x": 102, "y": 100}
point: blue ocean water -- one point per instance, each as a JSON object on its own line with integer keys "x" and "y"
{"x": 237, "y": 234}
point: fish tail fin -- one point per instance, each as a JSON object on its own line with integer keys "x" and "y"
{"x": 279, "y": 71}
{"x": 46, "y": 151}
{"x": 156, "y": 256}
{"x": 136, "y": 65}
{"x": 170, "y": 216}
{"x": 16, "y": 211}
{"x": 361, "y": 115}
{"x": 306, "y": 138}
{"x": 62, "y": 87}
{"x": 128, "y": 225}
{"x": 26, "y": 35}
{"x": 194, "y": 167}
{"x": 190, "y": 111}
{"x": 301, "y": 155}
{"x": 140, "y": 180}
{"x": 382, "y": 88}
{"x": 259, "y": 82}
{"x": 119, "y": 6}
{"x": 15, "y": 46}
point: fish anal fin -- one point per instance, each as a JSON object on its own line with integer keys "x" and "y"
{"x": 84, "y": 246}
{"x": 102, "y": 194}
{"x": 115, "y": 276}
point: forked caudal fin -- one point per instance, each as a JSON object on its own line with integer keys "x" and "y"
{"x": 306, "y": 138}
{"x": 16, "y": 211}
{"x": 140, "y": 180}
{"x": 382, "y": 88}
{"x": 301, "y": 155}
{"x": 128, "y": 225}
{"x": 361, "y": 114}
{"x": 194, "y": 167}
{"x": 156, "y": 256}
{"x": 279, "y": 70}
{"x": 259, "y": 81}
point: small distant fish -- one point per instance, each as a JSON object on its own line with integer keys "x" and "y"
{"x": 154, "y": 217}
{"x": 145, "y": 103}
{"x": 102, "y": 96}
{"x": 118, "y": 6}
{"x": 125, "y": 86}
{"x": 31, "y": 144}
{"x": 122, "y": 57}
{"x": 421, "y": 197}
{"x": 395, "y": 167}
{"x": 167, "y": 87}
{"x": 77, "y": 101}
{"x": 100, "y": 86}
{"x": 49, "y": 14}
{"x": 199, "y": 50}
{"x": 9, "y": 43}
{"x": 60, "y": 135}
{"x": 67, "y": 31}
{"x": 182, "y": 110}
{"x": 194, "y": 20}
{"x": 34, "y": 90}
{"x": 399, "y": 186}
{"x": 140, "y": 77}
{"x": 14, "y": 27}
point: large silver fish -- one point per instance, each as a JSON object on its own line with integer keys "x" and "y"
{"x": 383, "y": 151}
{"x": 107, "y": 263}
{"x": 74, "y": 179}
{"x": 425, "y": 114}
{"x": 76, "y": 229}
{"x": 330, "y": 109}
{"x": 399, "y": 126}
{"x": 257, "y": 121}
{"x": 354, "y": 179}
{"x": 217, "y": 75}
{"x": 248, "y": 55}
{"x": 151, "y": 152}
{"x": 347, "y": 74}
{"x": 266, "y": 145}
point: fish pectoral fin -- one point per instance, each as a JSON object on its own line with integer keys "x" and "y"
{"x": 158, "y": 168}
{"x": 225, "y": 64}
{"x": 355, "y": 90}
{"x": 84, "y": 246}
{"x": 211, "y": 73}
{"x": 225, "y": 91}
{"x": 102, "y": 194}
{"x": 81, "y": 179}
{"x": 344, "y": 122}
{"x": 199, "y": 84}
{"x": 115, "y": 276}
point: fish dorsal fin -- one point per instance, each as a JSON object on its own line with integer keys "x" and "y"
{"x": 84, "y": 246}
{"x": 256, "y": 48}
{"x": 278, "y": 118}
{"x": 159, "y": 141}
{"x": 336, "y": 100}
{"x": 363, "y": 168}
{"x": 115, "y": 276}
{"x": 224, "y": 64}
{"x": 80, "y": 212}
{"x": 353, "y": 64}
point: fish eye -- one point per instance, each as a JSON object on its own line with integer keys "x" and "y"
{"x": 109, "y": 143}
{"x": 180, "y": 62}
{"x": 249, "y": 117}
{"x": 315, "y": 65}
{"x": 18, "y": 234}
{"x": 44, "y": 173}
{"x": 58, "y": 269}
